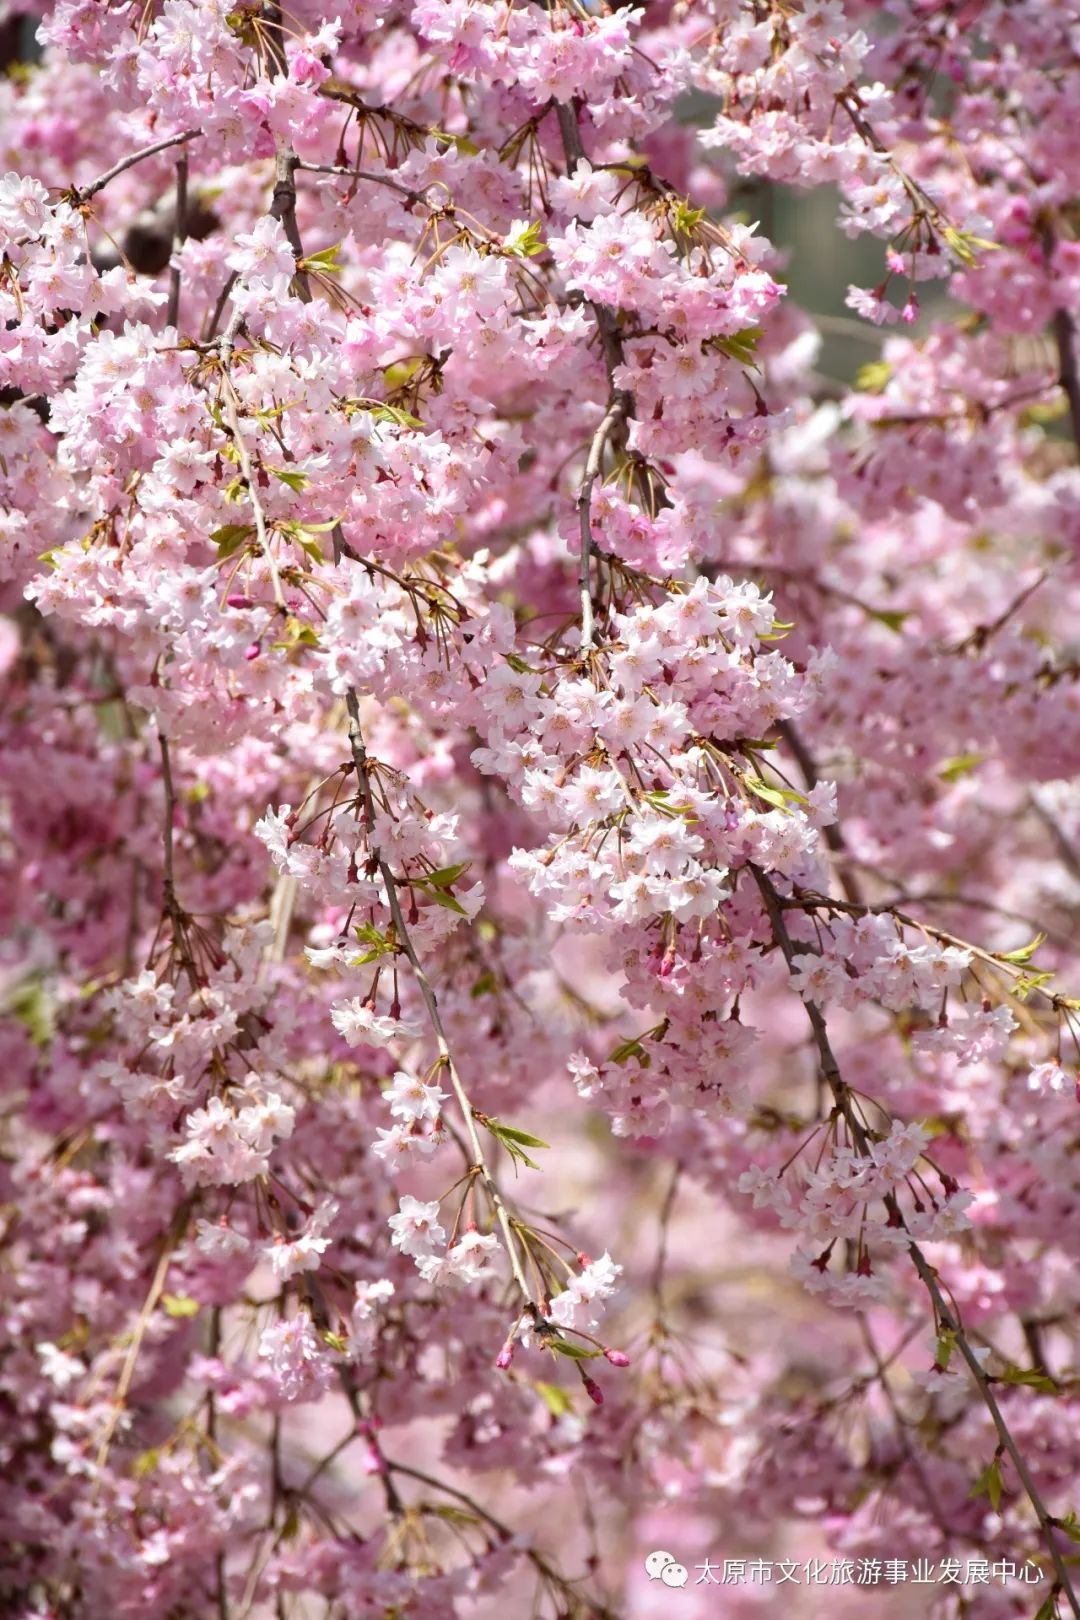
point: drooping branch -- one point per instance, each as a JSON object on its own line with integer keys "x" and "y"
{"x": 945, "y": 1314}
{"x": 468, "y": 1112}
{"x": 615, "y": 414}
{"x": 81, "y": 194}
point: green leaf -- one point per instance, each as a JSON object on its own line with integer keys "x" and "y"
{"x": 686, "y": 219}
{"x": 575, "y": 1352}
{"x": 780, "y": 797}
{"x": 303, "y": 535}
{"x": 1051, "y": 410}
{"x": 398, "y": 374}
{"x": 1030, "y": 1378}
{"x": 180, "y": 1305}
{"x": 872, "y": 378}
{"x": 484, "y": 986}
{"x": 891, "y": 618}
{"x": 325, "y": 260}
{"x": 628, "y": 1049}
{"x": 659, "y": 797}
{"x": 381, "y": 412}
{"x": 297, "y": 634}
{"x": 335, "y": 1341}
{"x": 1048, "y": 1608}
{"x": 945, "y": 1345}
{"x": 514, "y": 1141}
{"x": 461, "y": 143}
{"x": 989, "y": 1484}
{"x": 962, "y": 245}
{"x": 555, "y": 1398}
{"x": 450, "y": 1514}
{"x": 29, "y": 1004}
{"x": 146, "y": 1462}
{"x": 1027, "y": 982}
{"x": 511, "y": 1133}
{"x": 287, "y": 475}
{"x": 440, "y": 897}
{"x": 230, "y": 537}
{"x": 739, "y": 346}
{"x": 377, "y": 944}
{"x": 526, "y": 243}
{"x": 446, "y": 876}
{"x": 1071, "y": 1525}
{"x": 961, "y": 765}
{"x": 1024, "y": 953}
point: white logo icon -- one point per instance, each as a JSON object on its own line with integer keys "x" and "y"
{"x": 656, "y": 1562}
{"x": 663, "y": 1566}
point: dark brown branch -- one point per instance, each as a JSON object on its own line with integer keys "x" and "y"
{"x": 172, "y": 314}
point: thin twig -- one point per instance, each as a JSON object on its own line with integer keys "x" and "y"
{"x": 172, "y": 314}
{"x": 84, "y": 193}
{"x": 283, "y": 208}
{"x": 616, "y": 412}
{"x": 360, "y": 760}
{"x": 945, "y": 1314}
{"x": 362, "y": 174}
{"x": 598, "y": 1611}
{"x": 157, "y": 1287}
{"x": 1065, "y": 338}
{"x": 168, "y": 884}
{"x": 262, "y": 531}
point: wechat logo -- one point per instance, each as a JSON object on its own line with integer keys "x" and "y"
{"x": 663, "y": 1566}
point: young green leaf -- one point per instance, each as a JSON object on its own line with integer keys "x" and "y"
{"x": 289, "y": 475}
{"x": 440, "y": 896}
{"x": 230, "y": 537}
{"x": 555, "y": 1398}
{"x": 1024, "y": 953}
{"x": 179, "y": 1305}
{"x": 574, "y": 1352}
{"x": 446, "y": 876}
{"x": 989, "y": 1484}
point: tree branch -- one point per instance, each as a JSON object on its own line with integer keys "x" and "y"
{"x": 360, "y": 760}
{"x": 80, "y": 194}
{"x": 946, "y": 1316}
{"x": 616, "y": 413}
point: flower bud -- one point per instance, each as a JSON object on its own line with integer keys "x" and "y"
{"x": 618, "y": 1358}
{"x": 593, "y": 1390}
{"x": 252, "y": 652}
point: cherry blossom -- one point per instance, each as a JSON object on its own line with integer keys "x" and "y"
{"x": 514, "y": 749}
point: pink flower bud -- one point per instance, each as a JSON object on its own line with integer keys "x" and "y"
{"x": 593, "y": 1390}
{"x": 237, "y": 599}
{"x": 252, "y": 652}
{"x": 505, "y": 1356}
{"x": 372, "y": 1461}
{"x": 618, "y": 1358}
